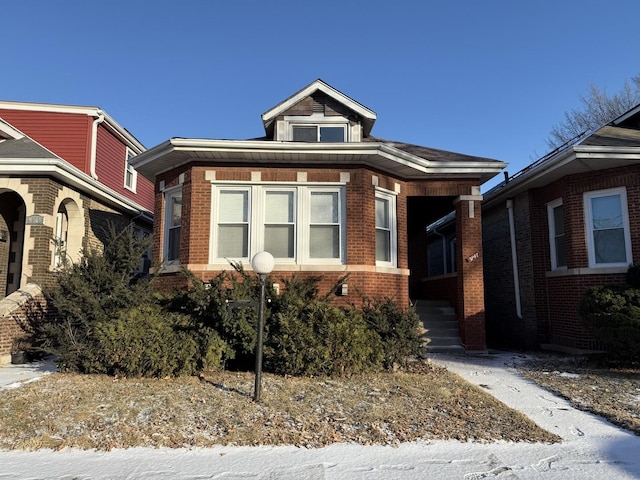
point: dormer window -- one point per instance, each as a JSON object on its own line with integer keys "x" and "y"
{"x": 318, "y": 133}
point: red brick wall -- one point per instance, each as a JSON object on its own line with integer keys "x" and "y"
{"x": 360, "y": 223}
{"x": 554, "y": 297}
{"x": 469, "y": 259}
{"x": 360, "y": 284}
{"x": 442, "y": 288}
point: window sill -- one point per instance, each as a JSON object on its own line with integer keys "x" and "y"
{"x": 572, "y": 272}
{"x": 169, "y": 268}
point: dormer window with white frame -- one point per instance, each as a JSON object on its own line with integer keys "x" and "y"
{"x": 318, "y": 133}
{"x": 317, "y": 128}
{"x": 130, "y": 174}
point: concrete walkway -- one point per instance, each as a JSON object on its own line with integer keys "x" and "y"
{"x": 591, "y": 448}
{"x": 12, "y": 376}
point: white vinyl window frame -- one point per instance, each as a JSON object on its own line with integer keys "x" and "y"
{"x": 302, "y": 224}
{"x": 309, "y": 223}
{"x": 290, "y": 223}
{"x": 318, "y": 131}
{"x": 555, "y": 236}
{"x": 172, "y": 224}
{"x": 130, "y": 173}
{"x": 387, "y": 229}
{"x": 592, "y": 226}
{"x": 238, "y": 223}
{"x": 318, "y": 121}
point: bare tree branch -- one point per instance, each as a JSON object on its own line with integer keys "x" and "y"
{"x": 597, "y": 109}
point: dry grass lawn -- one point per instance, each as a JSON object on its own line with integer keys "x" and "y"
{"x": 609, "y": 392}
{"x": 101, "y": 412}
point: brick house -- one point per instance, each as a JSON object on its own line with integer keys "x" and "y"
{"x": 568, "y": 221}
{"x": 325, "y": 197}
{"x": 65, "y": 172}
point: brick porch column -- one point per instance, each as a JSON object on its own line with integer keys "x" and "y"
{"x": 470, "y": 303}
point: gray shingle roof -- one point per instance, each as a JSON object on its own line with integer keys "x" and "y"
{"x": 23, "y": 148}
{"x": 428, "y": 153}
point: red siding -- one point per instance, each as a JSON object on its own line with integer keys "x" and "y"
{"x": 68, "y": 135}
{"x": 110, "y": 166}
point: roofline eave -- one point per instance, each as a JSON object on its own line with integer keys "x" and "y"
{"x": 482, "y": 169}
{"x": 66, "y": 172}
{"x": 517, "y": 184}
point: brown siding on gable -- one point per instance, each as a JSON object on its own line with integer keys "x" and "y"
{"x": 68, "y": 135}
{"x": 305, "y": 107}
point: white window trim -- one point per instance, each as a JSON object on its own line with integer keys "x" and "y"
{"x": 213, "y": 250}
{"x": 302, "y": 195}
{"x": 393, "y": 221}
{"x": 552, "y": 234}
{"x": 317, "y": 120}
{"x": 168, "y": 194}
{"x": 129, "y": 169}
{"x": 587, "y": 196}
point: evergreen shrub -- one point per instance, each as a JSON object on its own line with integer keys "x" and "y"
{"x": 317, "y": 338}
{"x": 227, "y": 304}
{"x": 145, "y": 341}
{"x": 613, "y": 314}
{"x": 398, "y": 330}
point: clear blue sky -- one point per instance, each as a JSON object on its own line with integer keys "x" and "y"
{"x": 482, "y": 77}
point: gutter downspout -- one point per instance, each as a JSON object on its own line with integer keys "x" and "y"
{"x": 94, "y": 144}
{"x": 514, "y": 258}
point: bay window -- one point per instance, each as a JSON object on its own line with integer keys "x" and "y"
{"x": 296, "y": 224}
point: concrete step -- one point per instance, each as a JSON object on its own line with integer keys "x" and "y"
{"x": 431, "y": 303}
{"x": 441, "y": 332}
{"x": 437, "y": 317}
{"x": 440, "y": 326}
{"x": 441, "y": 341}
{"x": 444, "y": 349}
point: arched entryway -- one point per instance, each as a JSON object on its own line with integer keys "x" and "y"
{"x": 67, "y": 235}
{"x": 12, "y": 222}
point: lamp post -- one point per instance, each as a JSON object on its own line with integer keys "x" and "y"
{"x": 262, "y": 263}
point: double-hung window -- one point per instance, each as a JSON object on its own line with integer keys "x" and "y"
{"x": 130, "y": 175}
{"x": 297, "y": 224}
{"x": 324, "y": 224}
{"x": 233, "y": 223}
{"x": 607, "y": 223}
{"x": 386, "y": 229}
{"x": 279, "y": 225}
{"x": 173, "y": 224}
{"x": 557, "y": 241}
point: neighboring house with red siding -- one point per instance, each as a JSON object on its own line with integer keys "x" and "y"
{"x": 568, "y": 221}
{"x": 65, "y": 174}
{"x": 325, "y": 197}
